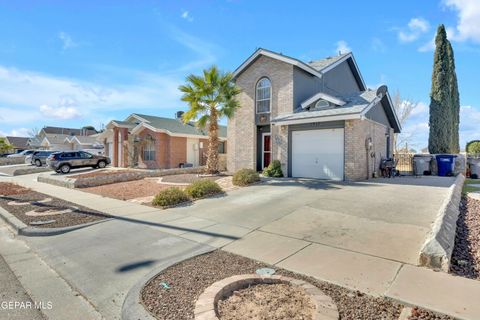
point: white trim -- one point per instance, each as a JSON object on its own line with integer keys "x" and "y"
{"x": 270, "y": 99}
{"x": 323, "y": 96}
{"x": 141, "y": 126}
{"x": 276, "y": 56}
{"x": 134, "y": 115}
{"x": 319, "y": 119}
{"x": 263, "y": 148}
{"x": 394, "y": 111}
{"x": 370, "y": 106}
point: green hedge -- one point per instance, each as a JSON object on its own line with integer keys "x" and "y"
{"x": 244, "y": 177}
{"x": 170, "y": 197}
{"x": 202, "y": 188}
{"x": 473, "y": 147}
{"x": 274, "y": 169}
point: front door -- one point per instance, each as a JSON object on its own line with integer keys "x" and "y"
{"x": 266, "y": 150}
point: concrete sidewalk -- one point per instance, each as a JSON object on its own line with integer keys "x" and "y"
{"x": 214, "y": 222}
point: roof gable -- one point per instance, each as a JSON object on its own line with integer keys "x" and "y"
{"x": 316, "y": 68}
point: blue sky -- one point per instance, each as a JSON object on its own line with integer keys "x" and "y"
{"x": 75, "y": 63}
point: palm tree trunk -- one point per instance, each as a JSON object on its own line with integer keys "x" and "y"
{"x": 212, "y": 155}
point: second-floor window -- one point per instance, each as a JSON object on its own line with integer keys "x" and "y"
{"x": 264, "y": 95}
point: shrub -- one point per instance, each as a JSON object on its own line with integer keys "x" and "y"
{"x": 170, "y": 197}
{"x": 274, "y": 169}
{"x": 473, "y": 147}
{"x": 245, "y": 177}
{"x": 202, "y": 188}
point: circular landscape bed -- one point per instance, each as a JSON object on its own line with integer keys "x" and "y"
{"x": 254, "y": 297}
{"x": 173, "y": 293}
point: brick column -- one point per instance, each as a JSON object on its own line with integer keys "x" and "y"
{"x": 115, "y": 147}
{"x": 123, "y": 139}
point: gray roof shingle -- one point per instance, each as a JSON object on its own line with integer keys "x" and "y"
{"x": 355, "y": 103}
{"x": 18, "y": 142}
{"x": 176, "y": 126}
{"x": 321, "y": 64}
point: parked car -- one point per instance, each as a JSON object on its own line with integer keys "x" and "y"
{"x": 24, "y": 153}
{"x": 39, "y": 158}
{"x": 63, "y": 162}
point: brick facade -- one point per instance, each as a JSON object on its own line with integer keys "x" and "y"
{"x": 356, "y": 133}
{"x": 242, "y": 128}
{"x": 169, "y": 151}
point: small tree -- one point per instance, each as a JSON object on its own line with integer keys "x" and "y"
{"x": 473, "y": 147}
{"x": 210, "y": 97}
{"x": 4, "y": 146}
{"x": 404, "y": 109}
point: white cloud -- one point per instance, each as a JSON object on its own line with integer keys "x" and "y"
{"x": 67, "y": 41}
{"x": 62, "y": 113}
{"x": 205, "y": 51}
{"x": 415, "y": 28}
{"x": 342, "y": 47}
{"x": 23, "y": 92}
{"x": 19, "y": 132}
{"x": 427, "y": 47}
{"x": 186, "y": 15}
{"x": 378, "y": 45}
{"x": 468, "y": 25}
{"x": 416, "y": 128}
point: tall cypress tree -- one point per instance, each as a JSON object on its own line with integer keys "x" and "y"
{"x": 455, "y": 99}
{"x": 441, "y": 115}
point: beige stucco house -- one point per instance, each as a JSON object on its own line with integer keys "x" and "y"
{"x": 318, "y": 118}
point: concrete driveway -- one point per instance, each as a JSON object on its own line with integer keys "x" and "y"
{"x": 355, "y": 234}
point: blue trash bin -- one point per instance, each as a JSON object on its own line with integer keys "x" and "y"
{"x": 446, "y": 164}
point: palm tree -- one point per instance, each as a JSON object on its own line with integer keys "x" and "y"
{"x": 210, "y": 98}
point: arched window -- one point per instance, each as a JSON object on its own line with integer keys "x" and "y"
{"x": 149, "y": 149}
{"x": 322, "y": 104}
{"x": 264, "y": 95}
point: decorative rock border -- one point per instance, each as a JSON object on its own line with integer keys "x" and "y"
{"x": 205, "y": 307}
{"x": 21, "y": 228}
{"x": 437, "y": 249}
{"x": 137, "y": 174}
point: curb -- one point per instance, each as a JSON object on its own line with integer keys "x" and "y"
{"x": 24, "y": 230}
{"x": 132, "y": 308}
{"x": 437, "y": 250}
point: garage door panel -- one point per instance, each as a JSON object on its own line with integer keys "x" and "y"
{"x": 318, "y": 154}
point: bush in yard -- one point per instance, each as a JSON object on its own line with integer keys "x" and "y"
{"x": 245, "y": 177}
{"x": 274, "y": 169}
{"x": 170, "y": 197}
{"x": 202, "y": 188}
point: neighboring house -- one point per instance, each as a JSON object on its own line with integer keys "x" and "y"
{"x": 19, "y": 143}
{"x": 318, "y": 118}
{"x": 65, "y": 131}
{"x": 63, "y": 139}
{"x": 156, "y": 143}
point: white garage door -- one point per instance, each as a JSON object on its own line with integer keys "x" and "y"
{"x": 318, "y": 154}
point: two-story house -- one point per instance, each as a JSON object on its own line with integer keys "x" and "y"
{"x": 318, "y": 118}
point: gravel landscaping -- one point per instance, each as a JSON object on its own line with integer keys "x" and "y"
{"x": 36, "y": 209}
{"x": 466, "y": 253}
{"x": 189, "y": 178}
{"x": 172, "y": 294}
{"x": 101, "y": 173}
{"x": 129, "y": 190}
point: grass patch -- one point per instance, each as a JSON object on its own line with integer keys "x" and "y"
{"x": 467, "y": 186}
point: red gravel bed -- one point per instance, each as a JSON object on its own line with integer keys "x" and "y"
{"x": 129, "y": 190}
{"x": 466, "y": 253}
{"x": 189, "y": 278}
{"x": 101, "y": 173}
{"x": 9, "y": 189}
{"x": 188, "y": 178}
{"x": 78, "y": 215}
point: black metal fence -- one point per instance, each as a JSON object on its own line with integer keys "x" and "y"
{"x": 405, "y": 163}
